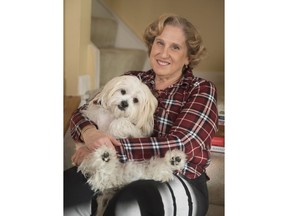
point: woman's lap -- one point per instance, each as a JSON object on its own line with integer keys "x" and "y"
{"x": 147, "y": 197}
{"x": 77, "y": 193}
{"x": 144, "y": 197}
{"x": 138, "y": 198}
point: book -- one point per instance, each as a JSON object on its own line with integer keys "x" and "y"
{"x": 221, "y": 118}
{"x": 218, "y": 149}
{"x": 221, "y": 106}
{"x": 218, "y": 141}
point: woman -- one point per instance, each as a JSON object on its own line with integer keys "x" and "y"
{"x": 186, "y": 118}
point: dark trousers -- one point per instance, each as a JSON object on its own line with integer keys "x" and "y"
{"x": 152, "y": 198}
{"x": 143, "y": 196}
{"x": 77, "y": 193}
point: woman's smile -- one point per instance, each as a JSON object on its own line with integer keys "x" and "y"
{"x": 162, "y": 63}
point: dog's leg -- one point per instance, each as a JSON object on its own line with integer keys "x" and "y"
{"x": 103, "y": 200}
{"x": 162, "y": 169}
{"x": 177, "y": 159}
{"x": 101, "y": 165}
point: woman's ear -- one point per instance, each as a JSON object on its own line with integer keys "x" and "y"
{"x": 187, "y": 62}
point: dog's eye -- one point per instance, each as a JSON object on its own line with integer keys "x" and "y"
{"x": 123, "y": 92}
{"x": 135, "y": 100}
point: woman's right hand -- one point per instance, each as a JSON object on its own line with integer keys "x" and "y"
{"x": 93, "y": 139}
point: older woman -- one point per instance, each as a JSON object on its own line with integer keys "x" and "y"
{"x": 186, "y": 119}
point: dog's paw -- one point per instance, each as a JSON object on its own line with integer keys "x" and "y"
{"x": 98, "y": 160}
{"x": 176, "y": 159}
{"x": 105, "y": 156}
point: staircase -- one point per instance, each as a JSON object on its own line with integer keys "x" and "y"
{"x": 113, "y": 61}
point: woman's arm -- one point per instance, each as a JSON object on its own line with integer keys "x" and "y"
{"x": 190, "y": 130}
{"x": 79, "y": 123}
{"x": 85, "y": 131}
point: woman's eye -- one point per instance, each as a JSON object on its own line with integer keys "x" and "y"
{"x": 135, "y": 100}
{"x": 159, "y": 43}
{"x": 175, "y": 47}
{"x": 123, "y": 92}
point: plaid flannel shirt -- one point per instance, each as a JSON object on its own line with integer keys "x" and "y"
{"x": 186, "y": 118}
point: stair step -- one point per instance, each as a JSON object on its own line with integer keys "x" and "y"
{"x": 116, "y": 61}
{"x": 103, "y": 31}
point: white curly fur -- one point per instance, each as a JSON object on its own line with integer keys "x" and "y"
{"x": 124, "y": 108}
{"x": 105, "y": 171}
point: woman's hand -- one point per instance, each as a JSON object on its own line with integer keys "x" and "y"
{"x": 93, "y": 139}
{"x": 79, "y": 155}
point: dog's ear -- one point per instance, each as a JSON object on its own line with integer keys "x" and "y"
{"x": 107, "y": 91}
{"x": 146, "y": 116}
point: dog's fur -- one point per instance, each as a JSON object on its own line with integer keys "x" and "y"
{"x": 105, "y": 171}
{"x": 106, "y": 174}
{"x": 124, "y": 108}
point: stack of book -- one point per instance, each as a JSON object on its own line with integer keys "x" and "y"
{"x": 221, "y": 118}
{"x": 218, "y": 141}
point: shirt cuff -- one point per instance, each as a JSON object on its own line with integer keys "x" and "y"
{"x": 121, "y": 153}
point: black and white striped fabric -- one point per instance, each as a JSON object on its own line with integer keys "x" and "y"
{"x": 145, "y": 197}
{"x": 178, "y": 198}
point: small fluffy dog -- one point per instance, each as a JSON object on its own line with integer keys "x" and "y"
{"x": 124, "y": 108}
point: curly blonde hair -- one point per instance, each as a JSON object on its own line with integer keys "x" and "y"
{"x": 196, "y": 49}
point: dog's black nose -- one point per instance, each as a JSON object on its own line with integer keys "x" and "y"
{"x": 123, "y": 105}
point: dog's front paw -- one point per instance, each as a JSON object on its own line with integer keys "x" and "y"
{"x": 105, "y": 156}
{"x": 176, "y": 159}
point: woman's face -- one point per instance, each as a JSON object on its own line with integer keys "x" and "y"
{"x": 169, "y": 52}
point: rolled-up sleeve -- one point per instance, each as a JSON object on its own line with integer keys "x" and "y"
{"x": 77, "y": 122}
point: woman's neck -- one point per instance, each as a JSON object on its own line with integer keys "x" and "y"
{"x": 162, "y": 82}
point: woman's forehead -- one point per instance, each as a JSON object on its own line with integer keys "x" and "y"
{"x": 173, "y": 34}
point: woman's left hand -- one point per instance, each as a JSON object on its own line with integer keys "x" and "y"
{"x": 80, "y": 154}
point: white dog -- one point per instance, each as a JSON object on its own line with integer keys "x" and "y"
{"x": 124, "y": 108}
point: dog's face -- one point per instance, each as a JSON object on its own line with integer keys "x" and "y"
{"x": 127, "y": 96}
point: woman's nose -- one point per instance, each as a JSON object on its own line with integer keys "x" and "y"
{"x": 164, "y": 52}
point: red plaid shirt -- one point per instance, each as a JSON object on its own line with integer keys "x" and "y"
{"x": 186, "y": 118}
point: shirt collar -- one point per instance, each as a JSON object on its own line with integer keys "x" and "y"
{"x": 185, "y": 81}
